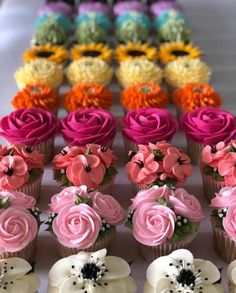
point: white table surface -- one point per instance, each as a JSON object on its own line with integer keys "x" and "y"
{"x": 213, "y": 24}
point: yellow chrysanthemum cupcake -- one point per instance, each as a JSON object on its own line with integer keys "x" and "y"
{"x": 133, "y": 51}
{"x": 100, "y": 51}
{"x": 171, "y": 51}
{"x": 39, "y": 70}
{"x": 57, "y": 54}
{"x": 135, "y": 71}
{"x": 89, "y": 70}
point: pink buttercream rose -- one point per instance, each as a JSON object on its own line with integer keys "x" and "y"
{"x": 77, "y": 226}
{"x": 19, "y": 199}
{"x": 224, "y": 198}
{"x": 227, "y": 168}
{"x": 153, "y": 224}
{"x": 212, "y": 155}
{"x": 13, "y": 172}
{"x": 142, "y": 169}
{"x": 17, "y": 229}
{"x": 229, "y": 222}
{"x": 108, "y": 208}
{"x": 86, "y": 170}
{"x": 63, "y": 160}
{"x": 186, "y": 205}
{"x": 161, "y": 146}
{"x": 105, "y": 154}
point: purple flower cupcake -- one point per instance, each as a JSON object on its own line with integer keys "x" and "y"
{"x": 57, "y": 7}
{"x": 158, "y": 7}
{"x": 96, "y": 6}
{"x": 126, "y": 6}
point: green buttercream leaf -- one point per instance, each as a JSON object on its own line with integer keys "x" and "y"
{"x": 34, "y": 174}
{"x": 110, "y": 173}
{"x": 182, "y": 232}
{"x": 82, "y": 200}
{"x": 62, "y": 178}
{"x": 4, "y": 203}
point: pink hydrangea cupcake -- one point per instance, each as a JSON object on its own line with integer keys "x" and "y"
{"x": 207, "y": 126}
{"x": 218, "y": 167}
{"x": 87, "y": 126}
{"x": 224, "y": 224}
{"x": 83, "y": 220}
{"x": 19, "y": 223}
{"x": 21, "y": 169}
{"x": 163, "y": 220}
{"x": 158, "y": 164}
{"x": 34, "y": 127}
{"x": 148, "y": 125}
{"x": 92, "y": 165}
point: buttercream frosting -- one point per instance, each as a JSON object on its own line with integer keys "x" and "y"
{"x": 134, "y": 6}
{"x": 94, "y": 7}
{"x": 132, "y": 31}
{"x": 56, "y": 7}
{"x": 18, "y": 199}
{"x": 89, "y": 32}
{"x": 98, "y": 19}
{"x": 137, "y": 17}
{"x": 158, "y": 7}
{"x": 175, "y": 30}
{"x": 166, "y": 15}
{"x": 62, "y": 20}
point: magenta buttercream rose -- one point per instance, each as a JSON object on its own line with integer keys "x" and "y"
{"x": 88, "y": 126}
{"x": 229, "y": 222}
{"x": 209, "y": 125}
{"x": 17, "y": 229}
{"x": 224, "y": 198}
{"x": 19, "y": 199}
{"x": 135, "y": 6}
{"x": 77, "y": 226}
{"x": 149, "y": 125}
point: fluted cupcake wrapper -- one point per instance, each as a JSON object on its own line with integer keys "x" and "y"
{"x": 64, "y": 251}
{"x": 33, "y": 189}
{"x": 46, "y": 148}
{"x": 194, "y": 151}
{"x": 129, "y": 146}
{"x": 211, "y": 186}
{"x": 231, "y": 286}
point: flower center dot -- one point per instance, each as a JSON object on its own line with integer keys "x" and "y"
{"x": 44, "y": 54}
{"x": 186, "y": 277}
{"x": 90, "y": 271}
{"x": 9, "y": 172}
{"x": 135, "y": 53}
{"x": 179, "y": 53}
{"x": 91, "y": 53}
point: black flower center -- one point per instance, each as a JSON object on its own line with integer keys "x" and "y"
{"x": 180, "y": 161}
{"x": 90, "y": 271}
{"x": 140, "y": 164}
{"x": 29, "y": 149}
{"x": 88, "y": 168}
{"x": 63, "y": 152}
{"x": 44, "y": 54}
{"x": 213, "y": 150}
{"x": 186, "y": 277}
{"x": 179, "y": 53}
{"x": 92, "y": 53}
{"x": 103, "y": 149}
{"x": 135, "y": 53}
{"x": 9, "y": 172}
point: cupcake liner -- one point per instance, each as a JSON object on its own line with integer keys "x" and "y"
{"x": 211, "y": 186}
{"x": 33, "y": 189}
{"x": 224, "y": 245}
{"x": 138, "y": 187}
{"x": 150, "y": 253}
{"x": 194, "y": 150}
{"x": 27, "y": 253}
{"x": 129, "y": 146}
{"x": 64, "y": 251}
{"x": 106, "y": 188}
{"x": 46, "y": 148}
{"x": 231, "y": 286}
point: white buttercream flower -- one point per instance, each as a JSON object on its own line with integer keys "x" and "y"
{"x": 180, "y": 272}
{"x": 91, "y": 273}
{"x": 14, "y": 278}
{"x": 231, "y": 273}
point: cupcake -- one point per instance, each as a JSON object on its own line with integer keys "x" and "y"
{"x": 34, "y": 128}
{"x": 56, "y": 7}
{"x": 98, "y": 19}
{"x": 21, "y": 169}
{"x": 91, "y": 165}
{"x": 134, "y": 17}
{"x": 36, "y": 95}
{"x": 163, "y": 220}
{"x": 218, "y": 167}
{"x": 93, "y": 274}
{"x": 89, "y": 70}
{"x": 231, "y": 276}
{"x": 100, "y": 51}
{"x": 57, "y": 54}
{"x": 132, "y": 32}
{"x": 136, "y": 51}
{"x": 88, "y": 126}
{"x": 185, "y": 70}
{"x": 180, "y": 272}
{"x": 63, "y": 21}
{"x": 17, "y": 272}
{"x": 88, "y": 95}
{"x": 223, "y": 223}
{"x": 134, "y": 71}
{"x": 89, "y": 220}
{"x": 158, "y": 164}
{"x": 143, "y": 95}
{"x": 207, "y": 126}
{"x": 158, "y": 7}
{"x": 171, "y": 51}
{"x": 94, "y": 7}
{"x": 40, "y": 71}
{"x": 130, "y": 6}
{"x": 148, "y": 125}
{"x": 167, "y": 15}
{"x": 89, "y": 32}
{"x": 19, "y": 224}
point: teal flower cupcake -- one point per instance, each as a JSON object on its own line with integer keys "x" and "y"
{"x": 62, "y": 20}
{"x": 98, "y": 18}
{"x": 166, "y": 15}
{"x": 137, "y": 17}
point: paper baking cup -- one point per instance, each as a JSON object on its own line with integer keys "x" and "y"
{"x": 106, "y": 188}
{"x": 27, "y": 253}
{"x": 64, "y": 251}
{"x": 33, "y": 189}
{"x": 211, "y": 186}
{"x": 46, "y": 148}
{"x": 231, "y": 286}
{"x": 130, "y": 146}
{"x": 194, "y": 151}
{"x": 224, "y": 245}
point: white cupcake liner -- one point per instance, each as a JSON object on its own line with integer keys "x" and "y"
{"x": 211, "y": 186}
{"x": 194, "y": 150}
{"x": 46, "y": 148}
{"x": 33, "y": 189}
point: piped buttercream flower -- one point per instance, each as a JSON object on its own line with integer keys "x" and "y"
{"x": 227, "y": 168}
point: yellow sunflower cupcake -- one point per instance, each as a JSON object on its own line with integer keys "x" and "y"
{"x": 171, "y": 51}
{"x": 89, "y": 70}
{"x": 133, "y": 51}
{"x": 100, "y": 51}
{"x": 57, "y": 54}
{"x": 135, "y": 71}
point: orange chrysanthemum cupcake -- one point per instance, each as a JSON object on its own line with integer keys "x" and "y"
{"x": 195, "y": 95}
{"x": 36, "y": 95}
{"x": 143, "y": 95}
{"x": 88, "y": 95}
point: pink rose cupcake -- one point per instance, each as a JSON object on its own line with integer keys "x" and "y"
{"x": 148, "y": 125}
{"x": 158, "y": 164}
{"x": 21, "y": 169}
{"x": 207, "y": 126}
{"x": 19, "y": 223}
{"x": 34, "y": 127}
{"x": 223, "y": 223}
{"x": 92, "y": 165}
{"x": 218, "y": 167}
{"x": 163, "y": 220}
{"x": 83, "y": 220}
{"x": 88, "y": 126}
